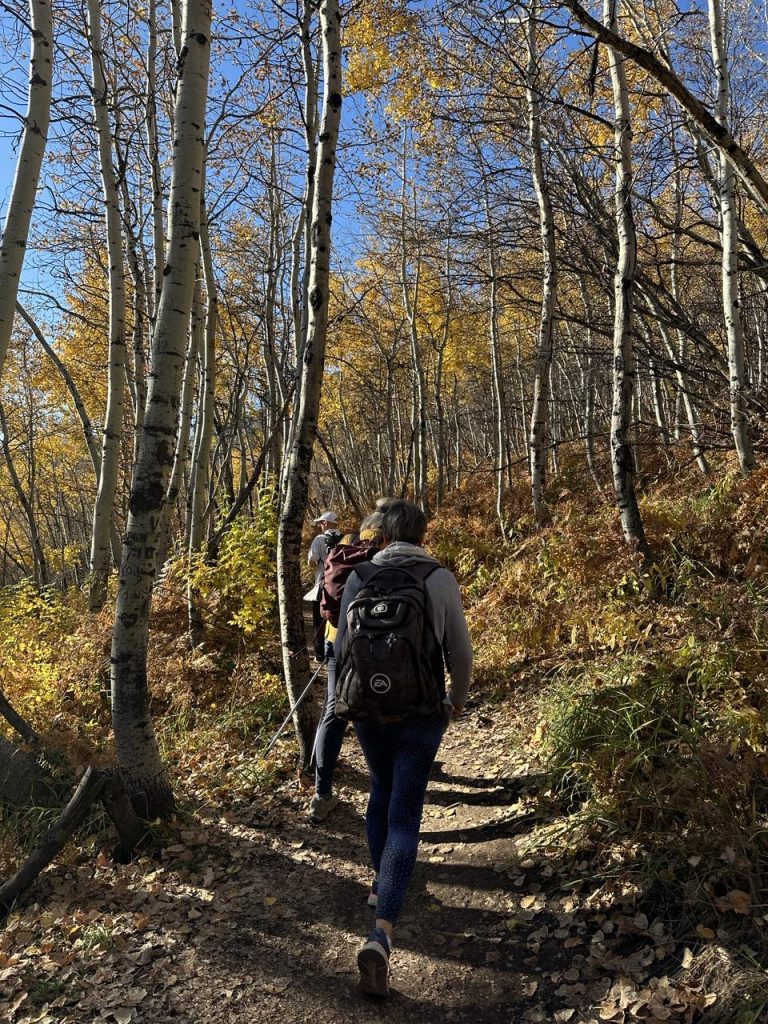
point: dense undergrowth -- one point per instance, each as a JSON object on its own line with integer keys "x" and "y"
{"x": 645, "y": 688}
{"x": 643, "y": 691}
{"x": 212, "y": 704}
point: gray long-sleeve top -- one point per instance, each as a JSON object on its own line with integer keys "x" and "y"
{"x": 446, "y": 609}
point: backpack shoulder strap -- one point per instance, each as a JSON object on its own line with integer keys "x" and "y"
{"x": 421, "y": 571}
{"x": 365, "y": 570}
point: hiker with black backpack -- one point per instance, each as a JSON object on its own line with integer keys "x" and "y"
{"x": 401, "y": 623}
{"x": 321, "y": 546}
{"x": 339, "y": 564}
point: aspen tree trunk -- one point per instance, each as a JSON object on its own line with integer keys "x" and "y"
{"x": 137, "y": 266}
{"x": 411, "y": 305}
{"x": 415, "y": 456}
{"x": 683, "y": 393}
{"x": 658, "y": 403}
{"x": 34, "y": 138}
{"x": 138, "y": 385}
{"x": 199, "y": 474}
{"x": 302, "y": 241}
{"x": 684, "y": 390}
{"x": 499, "y": 400}
{"x": 274, "y": 391}
{"x": 176, "y": 24}
{"x": 637, "y": 419}
{"x": 588, "y": 380}
{"x": 457, "y": 441}
{"x": 310, "y": 135}
{"x": 622, "y": 461}
{"x": 138, "y": 755}
{"x": 589, "y": 419}
{"x": 202, "y": 452}
{"x": 101, "y": 548}
{"x": 545, "y": 347}
{"x": 153, "y": 146}
{"x": 730, "y": 244}
{"x": 674, "y": 275}
{"x": 391, "y": 433}
{"x": 760, "y": 325}
{"x": 181, "y": 455}
{"x": 299, "y": 459}
{"x": 440, "y": 451}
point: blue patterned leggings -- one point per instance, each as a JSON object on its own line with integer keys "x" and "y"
{"x": 399, "y": 761}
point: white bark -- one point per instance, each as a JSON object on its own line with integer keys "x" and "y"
{"x": 301, "y": 243}
{"x": 153, "y": 145}
{"x": 545, "y": 347}
{"x": 411, "y": 304}
{"x": 101, "y": 548}
{"x": 35, "y": 135}
{"x": 137, "y": 751}
{"x": 683, "y": 392}
{"x": 299, "y": 459}
{"x": 730, "y": 245}
{"x": 271, "y": 359}
{"x": 622, "y": 460}
{"x": 199, "y": 474}
{"x": 181, "y": 456}
{"x": 499, "y": 400}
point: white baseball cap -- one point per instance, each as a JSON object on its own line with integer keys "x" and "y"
{"x": 329, "y": 517}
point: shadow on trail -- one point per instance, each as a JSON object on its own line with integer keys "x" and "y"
{"x": 530, "y": 782}
{"x": 272, "y": 894}
{"x": 460, "y": 798}
{"x": 486, "y": 832}
{"x": 465, "y": 876}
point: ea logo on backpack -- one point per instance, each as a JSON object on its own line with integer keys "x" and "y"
{"x": 381, "y": 683}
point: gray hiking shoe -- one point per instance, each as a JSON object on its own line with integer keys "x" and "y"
{"x": 321, "y": 806}
{"x": 373, "y": 964}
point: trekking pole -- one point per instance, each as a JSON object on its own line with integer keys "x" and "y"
{"x": 288, "y": 717}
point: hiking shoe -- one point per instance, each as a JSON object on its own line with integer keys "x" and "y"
{"x": 321, "y": 806}
{"x": 373, "y": 895}
{"x": 373, "y": 964}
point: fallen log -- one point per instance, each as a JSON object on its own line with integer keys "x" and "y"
{"x": 94, "y": 785}
{"x": 54, "y": 839}
{"x": 21, "y": 725}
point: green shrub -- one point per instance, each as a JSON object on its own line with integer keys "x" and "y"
{"x": 242, "y": 584}
{"x": 666, "y": 742}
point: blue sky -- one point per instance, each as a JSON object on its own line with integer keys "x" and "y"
{"x": 348, "y": 226}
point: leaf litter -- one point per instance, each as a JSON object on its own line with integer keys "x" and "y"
{"x": 251, "y": 912}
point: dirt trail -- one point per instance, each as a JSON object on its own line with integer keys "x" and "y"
{"x": 256, "y": 915}
{"x": 296, "y": 911}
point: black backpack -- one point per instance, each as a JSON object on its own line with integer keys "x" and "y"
{"x": 391, "y": 667}
{"x": 332, "y": 539}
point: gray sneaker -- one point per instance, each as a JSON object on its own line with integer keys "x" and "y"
{"x": 373, "y": 964}
{"x": 321, "y": 806}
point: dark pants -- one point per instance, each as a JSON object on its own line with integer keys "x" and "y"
{"x": 318, "y": 631}
{"x": 328, "y": 740}
{"x": 399, "y": 761}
